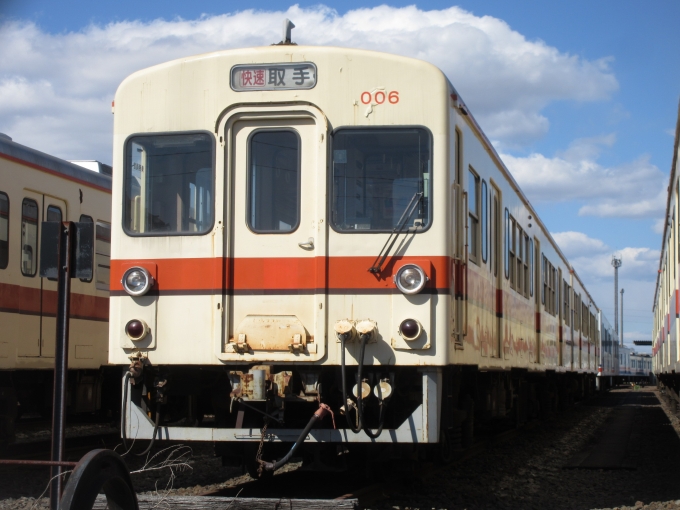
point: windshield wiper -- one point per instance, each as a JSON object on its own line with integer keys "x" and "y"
{"x": 408, "y": 212}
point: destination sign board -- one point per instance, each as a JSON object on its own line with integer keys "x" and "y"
{"x": 297, "y": 76}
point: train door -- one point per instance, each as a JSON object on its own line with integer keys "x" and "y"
{"x": 277, "y": 234}
{"x": 29, "y": 289}
{"x": 53, "y": 209}
{"x": 496, "y": 257}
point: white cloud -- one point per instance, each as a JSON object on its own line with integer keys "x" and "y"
{"x": 636, "y": 189}
{"x": 659, "y": 225}
{"x": 53, "y": 84}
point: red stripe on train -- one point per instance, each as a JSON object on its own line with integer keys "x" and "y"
{"x": 279, "y": 273}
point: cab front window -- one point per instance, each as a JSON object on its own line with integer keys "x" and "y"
{"x": 376, "y": 174}
{"x": 169, "y": 184}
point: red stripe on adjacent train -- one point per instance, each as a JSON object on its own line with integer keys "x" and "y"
{"x": 26, "y": 300}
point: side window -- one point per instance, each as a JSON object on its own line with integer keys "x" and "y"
{"x": 484, "y": 221}
{"x": 4, "y": 230}
{"x": 29, "y": 237}
{"x": 506, "y": 251}
{"x": 566, "y": 302}
{"x": 86, "y": 219}
{"x": 519, "y": 283}
{"x": 531, "y": 266}
{"x": 512, "y": 238}
{"x": 274, "y": 182}
{"x": 102, "y": 255}
{"x": 543, "y": 279}
{"x": 53, "y": 213}
{"x": 473, "y": 211}
{"x": 577, "y": 311}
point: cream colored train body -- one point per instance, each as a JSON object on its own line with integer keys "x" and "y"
{"x": 37, "y": 187}
{"x": 256, "y": 188}
{"x": 666, "y": 308}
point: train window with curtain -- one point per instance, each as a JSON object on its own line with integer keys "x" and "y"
{"x": 565, "y": 299}
{"x": 519, "y": 255}
{"x": 527, "y": 257}
{"x": 274, "y": 182}
{"x": 543, "y": 278}
{"x": 473, "y": 212}
{"x": 512, "y": 250}
{"x": 484, "y": 220}
{"x": 29, "y": 237}
{"x": 378, "y": 176}
{"x": 102, "y": 255}
{"x": 532, "y": 270}
{"x": 168, "y": 184}
{"x": 4, "y": 230}
{"x": 84, "y": 218}
{"x": 577, "y": 312}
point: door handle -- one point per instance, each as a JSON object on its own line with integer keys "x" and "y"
{"x": 309, "y": 245}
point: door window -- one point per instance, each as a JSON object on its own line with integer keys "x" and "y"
{"x": 29, "y": 237}
{"x": 274, "y": 182}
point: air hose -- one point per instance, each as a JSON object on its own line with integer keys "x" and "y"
{"x": 360, "y": 411}
{"x": 123, "y": 424}
{"x": 322, "y": 411}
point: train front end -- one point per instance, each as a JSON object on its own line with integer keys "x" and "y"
{"x": 279, "y": 255}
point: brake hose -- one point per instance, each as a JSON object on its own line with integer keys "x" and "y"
{"x": 123, "y": 424}
{"x": 369, "y": 433}
{"x": 357, "y": 429}
{"x": 318, "y": 415}
{"x": 360, "y": 411}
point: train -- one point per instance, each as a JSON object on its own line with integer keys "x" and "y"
{"x": 317, "y": 252}
{"x": 37, "y": 187}
{"x": 666, "y": 306}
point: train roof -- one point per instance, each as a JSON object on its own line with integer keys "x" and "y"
{"x": 13, "y": 151}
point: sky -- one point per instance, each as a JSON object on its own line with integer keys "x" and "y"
{"x": 580, "y": 98}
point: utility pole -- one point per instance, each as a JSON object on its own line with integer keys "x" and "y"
{"x": 621, "y": 316}
{"x": 616, "y": 262}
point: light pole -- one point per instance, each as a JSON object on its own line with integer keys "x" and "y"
{"x": 621, "y": 316}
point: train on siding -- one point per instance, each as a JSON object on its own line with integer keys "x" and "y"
{"x": 666, "y": 308}
{"x": 318, "y": 250}
{"x": 37, "y": 187}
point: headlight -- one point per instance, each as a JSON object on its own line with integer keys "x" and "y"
{"x": 137, "y": 281}
{"x": 410, "y": 279}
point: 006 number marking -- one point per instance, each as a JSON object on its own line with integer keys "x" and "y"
{"x": 379, "y": 97}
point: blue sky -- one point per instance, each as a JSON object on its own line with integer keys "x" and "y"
{"x": 580, "y": 98}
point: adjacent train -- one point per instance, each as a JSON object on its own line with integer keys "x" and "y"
{"x": 666, "y": 308}
{"x": 37, "y": 187}
{"x": 317, "y": 251}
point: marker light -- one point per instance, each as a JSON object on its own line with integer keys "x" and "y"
{"x": 410, "y": 279}
{"x": 137, "y": 281}
{"x": 136, "y": 329}
{"x": 410, "y": 329}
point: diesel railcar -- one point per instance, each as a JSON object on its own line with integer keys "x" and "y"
{"x": 666, "y": 307}
{"x": 320, "y": 246}
{"x": 37, "y": 187}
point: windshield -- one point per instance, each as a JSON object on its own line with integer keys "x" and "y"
{"x": 169, "y": 184}
{"x": 376, "y": 173}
